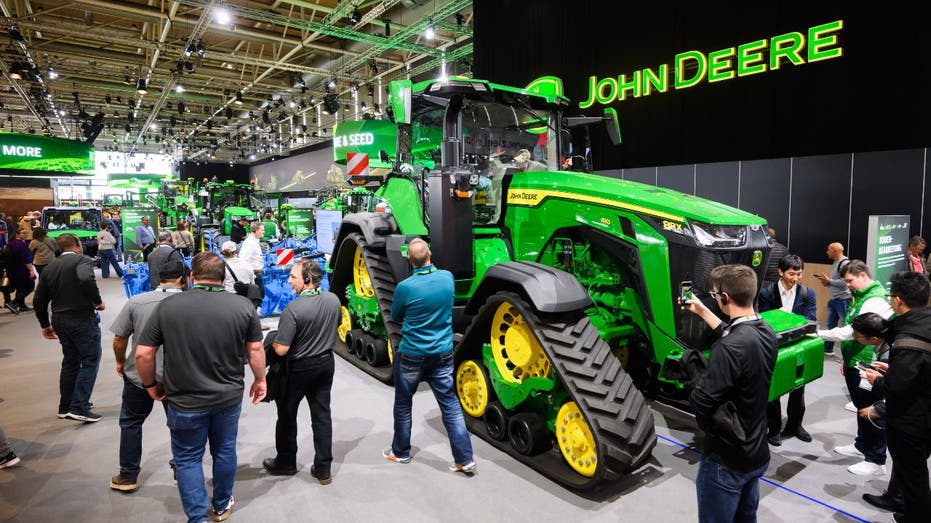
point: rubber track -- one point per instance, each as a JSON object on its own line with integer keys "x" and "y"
{"x": 383, "y": 282}
{"x": 621, "y": 421}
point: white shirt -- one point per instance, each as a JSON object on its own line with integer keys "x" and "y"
{"x": 878, "y": 305}
{"x": 251, "y": 252}
{"x": 788, "y": 296}
{"x": 242, "y": 270}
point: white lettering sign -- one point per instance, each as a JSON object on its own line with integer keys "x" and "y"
{"x": 20, "y": 150}
{"x": 354, "y": 140}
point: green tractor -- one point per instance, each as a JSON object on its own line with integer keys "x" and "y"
{"x": 566, "y": 282}
{"x": 83, "y": 222}
{"x": 220, "y": 204}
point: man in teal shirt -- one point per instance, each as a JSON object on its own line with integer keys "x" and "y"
{"x": 423, "y": 305}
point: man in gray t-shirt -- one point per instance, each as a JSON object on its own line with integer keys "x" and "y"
{"x": 306, "y": 334}
{"x": 136, "y": 401}
{"x": 840, "y": 293}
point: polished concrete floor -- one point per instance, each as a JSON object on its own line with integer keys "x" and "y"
{"x": 66, "y": 466}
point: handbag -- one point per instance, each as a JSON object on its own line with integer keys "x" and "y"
{"x": 5, "y": 282}
{"x": 250, "y": 291}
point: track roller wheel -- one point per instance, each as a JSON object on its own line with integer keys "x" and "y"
{"x": 517, "y": 352}
{"x": 473, "y": 388}
{"x": 360, "y": 275}
{"x": 575, "y": 440}
{"x": 352, "y": 337}
{"x": 345, "y": 324}
{"x": 358, "y": 345}
{"x": 376, "y": 352}
{"x": 496, "y": 421}
{"x": 528, "y": 433}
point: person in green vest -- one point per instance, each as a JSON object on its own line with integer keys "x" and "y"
{"x": 868, "y": 296}
{"x": 271, "y": 228}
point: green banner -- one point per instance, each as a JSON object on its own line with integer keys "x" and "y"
{"x": 132, "y": 218}
{"x": 365, "y": 136}
{"x": 300, "y": 223}
{"x": 38, "y": 154}
{"x": 887, "y": 250}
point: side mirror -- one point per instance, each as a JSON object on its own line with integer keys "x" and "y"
{"x": 612, "y": 125}
{"x": 400, "y": 99}
{"x": 383, "y": 156}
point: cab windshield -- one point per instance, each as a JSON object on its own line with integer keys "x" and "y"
{"x": 57, "y": 219}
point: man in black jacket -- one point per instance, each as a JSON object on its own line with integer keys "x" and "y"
{"x": 791, "y": 296}
{"x": 907, "y": 386}
{"x": 68, "y": 283}
{"x": 737, "y": 380}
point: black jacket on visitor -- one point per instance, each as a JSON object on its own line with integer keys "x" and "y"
{"x": 907, "y": 384}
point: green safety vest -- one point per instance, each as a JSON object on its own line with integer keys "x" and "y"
{"x": 269, "y": 229}
{"x": 852, "y": 350}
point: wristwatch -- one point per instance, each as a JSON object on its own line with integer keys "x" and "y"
{"x": 150, "y": 385}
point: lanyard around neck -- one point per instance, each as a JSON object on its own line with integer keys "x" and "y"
{"x": 313, "y": 292}
{"x": 209, "y": 287}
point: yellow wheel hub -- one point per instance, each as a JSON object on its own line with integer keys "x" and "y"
{"x": 623, "y": 355}
{"x": 345, "y": 324}
{"x": 472, "y": 388}
{"x": 390, "y": 351}
{"x": 575, "y": 440}
{"x": 360, "y": 275}
{"x": 517, "y": 353}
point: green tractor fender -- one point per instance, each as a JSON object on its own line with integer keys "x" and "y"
{"x": 547, "y": 289}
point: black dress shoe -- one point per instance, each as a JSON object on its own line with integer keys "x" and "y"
{"x": 324, "y": 479}
{"x": 884, "y": 502}
{"x": 271, "y": 465}
{"x": 775, "y": 439}
{"x": 799, "y": 432}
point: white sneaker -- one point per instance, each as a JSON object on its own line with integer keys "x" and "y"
{"x": 865, "y": 468}
{"x": 850, "y": 406}
{"x": 849, "y": 450}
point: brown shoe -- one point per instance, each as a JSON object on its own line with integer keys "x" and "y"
{"x": 122, "y": 483}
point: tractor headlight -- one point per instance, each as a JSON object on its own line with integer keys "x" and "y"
{"x": 710, "y": 235}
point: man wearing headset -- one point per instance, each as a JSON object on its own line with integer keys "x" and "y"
{"x": 306, "y": 334}
{"x": 736, "y": 382}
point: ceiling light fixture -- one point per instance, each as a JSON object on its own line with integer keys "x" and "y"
{"x": 222, "y": 15}
{"x": 51, "y": 73}
{"x": 429, "y": 33}
{"x": 238, "y": 100}
{"x": 140, "y": 86}
{"x": 16, "y": 71}
{"x": 355, "y": 17}
{"x": 179, "y": 87}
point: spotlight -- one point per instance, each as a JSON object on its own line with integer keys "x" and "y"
{"x": 179, "y": 87}
{"x": 189, "y": 67}
{"x": 52, "y": 74}
{"x": 16, "y": 71}
{"x": 354, "y": 87}
{"x": 373, "y": 67}
{"x": 459, "y": 19}
{"x": 229, "y": 112}
{"x": 222, "y": 16}
{"x": 200, "y": 48}
{"x": 238, "y": 100}
{"x": 107, "y": 99}
{"x": 429, "y": 33}
{"x": 330, "y": 85}
{"x": 355, "y": 17}
{"x": 181, "y": 108}
{"x": 387, "y": 27}
{"x": 140, "y": 86}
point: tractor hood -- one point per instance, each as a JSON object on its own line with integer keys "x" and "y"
{"x": 666, "y": 204}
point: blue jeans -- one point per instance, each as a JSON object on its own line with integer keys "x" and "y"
{"x": 837, "y": 312}
{"x": 108, "y": 258}
{"x": 80, "y": 348}
{"x": 725, "y": 494}
{"x": 437, "y": 371}
{"x": 137, "y": 405}
{"x": 190, "y": 432}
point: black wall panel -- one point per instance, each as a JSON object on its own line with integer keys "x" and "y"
{"x": 645, "y": 175}
{"x": 764, "y": 191}
{"x": 820, "y": 204}
{"x": 678, "y": 177}
{"x": 718, "y": 182}
{"x": 886, "y": 182}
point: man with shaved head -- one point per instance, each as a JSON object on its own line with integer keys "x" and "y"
{"x": 423, "y": 305}
{"x": 840, "y": 293}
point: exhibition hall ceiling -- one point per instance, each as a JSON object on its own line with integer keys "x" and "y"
{"x": 210, "y": 80}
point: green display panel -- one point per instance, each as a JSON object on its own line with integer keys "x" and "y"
{"x": 38, "y": 154}
{"x": 132, "y": 218}
{"x": 301, "y": 222}
{"x": 364, "y": 136}
{"x": 135, "y": 180}
{"x": 887, "y": 250}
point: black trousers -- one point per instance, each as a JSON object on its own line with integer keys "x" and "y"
{"x": 870, "y": 440}
{"x": 313, "y": 381}
{"x": 795, "y": 411}
{"x": 910, "y": 471}
{"x": 146, "y": 250}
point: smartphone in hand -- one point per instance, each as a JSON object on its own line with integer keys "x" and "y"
{"x": 685, "y": 292}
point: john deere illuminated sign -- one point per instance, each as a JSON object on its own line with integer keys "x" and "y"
{"x": 39, "y": 154}
{"x": 691, "y": 68}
